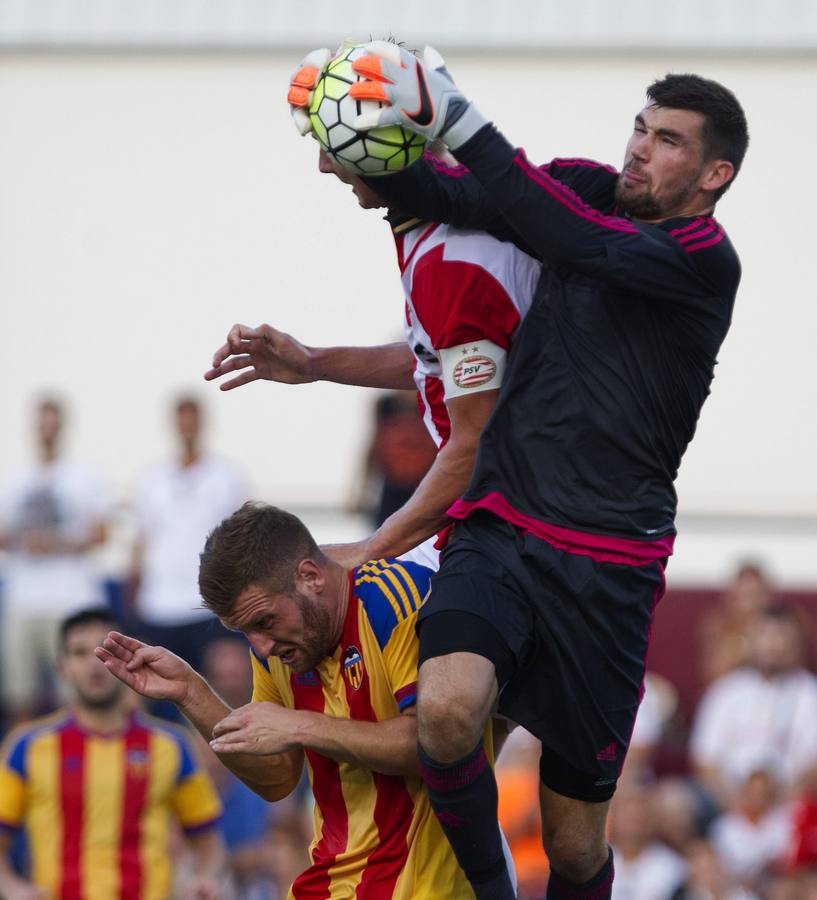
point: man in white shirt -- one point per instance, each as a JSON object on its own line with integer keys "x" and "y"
{"x": 764, "y": 713}
{"x": 52, "y": 516}
{"x": 178, "y": 502}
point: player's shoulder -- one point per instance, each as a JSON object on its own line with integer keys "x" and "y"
{"x": 593, "y": 181}
{"x": 708, "y": 248}
{"x": 17, "y": 742}
{"x": 390, "y": 592}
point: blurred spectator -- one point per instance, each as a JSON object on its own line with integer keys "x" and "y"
{"x": 763, "y": 715}
{"x": 753, "y": 837}
{"x": 645, "y": 868}
{"x": 725, "y": 631}
{"x": 97, "y": 785}
{"x": 681, "y": 811}
{"x": 178, "y": 502}
{"x": 399, "y": 455}
{"x": 287, "y": 850}
{"x": 52, "y": 515}
{"x": 517, "y": 775}
{"x": 708, "y": 880}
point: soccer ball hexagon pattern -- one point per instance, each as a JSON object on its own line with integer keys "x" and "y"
{"x": 375, "y": 152}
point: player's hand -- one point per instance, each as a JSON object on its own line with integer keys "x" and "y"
{"x": 153, "y": 672}
{"x": 257, "y": 728}
{"x": 301, "y": 85}
{"x": 347, "y": 555}
{"x": 417, "y": 92}
{"x": 262, "y": 352}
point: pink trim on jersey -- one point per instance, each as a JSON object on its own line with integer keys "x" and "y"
{"x": 691, "y": 248}
{"x": 570, "y": 199}
{"x": 707, "y": 228}
{"x": 443, "y": 168}
{"x": 580, "y": 162}
{"x": 694, "y": 224}
{"x": 600, "y": 547}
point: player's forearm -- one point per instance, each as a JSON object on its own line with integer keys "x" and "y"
{"x": 387, "y": 366}
{"x": 388, "y": 747}
{"x": 271, "y": 777}
{"x": 425, "y": 512}
{"x": 208, "y": 852}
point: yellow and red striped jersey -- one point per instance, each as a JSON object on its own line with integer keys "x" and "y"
{"x": 376, "y": 837}
{"x": 97, "y": 808}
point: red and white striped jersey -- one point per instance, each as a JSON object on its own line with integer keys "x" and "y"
{"x": 466, "y": 293}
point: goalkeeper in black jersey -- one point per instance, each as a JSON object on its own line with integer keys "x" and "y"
{"x": 546, "y": 591}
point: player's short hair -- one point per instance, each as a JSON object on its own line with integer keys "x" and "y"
{"x": 725, "y": 132}
{"x": 257, "y": 545}
{"x": 92, "y": 615}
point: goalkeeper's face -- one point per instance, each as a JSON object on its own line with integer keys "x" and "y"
{"x": 366, "y": 197}
{"x": 665, "y": 173}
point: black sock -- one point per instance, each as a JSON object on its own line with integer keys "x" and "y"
{"x": 464, "y": 799}
{"x": 599, "y": 887}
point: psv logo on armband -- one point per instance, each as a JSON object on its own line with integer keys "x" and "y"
{"x": 353, "y": 667}
{"x": 474, "y": 371}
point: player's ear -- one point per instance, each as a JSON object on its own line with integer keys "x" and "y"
{"x": 717, "y": 173}
{"x": 309, "y": 575}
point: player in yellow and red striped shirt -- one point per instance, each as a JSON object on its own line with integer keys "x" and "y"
{"x": 97, "y": 787}
{"x": 334, "y": 657}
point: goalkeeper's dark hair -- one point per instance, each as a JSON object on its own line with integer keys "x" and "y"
{"x": 725, "y": 132}
{"x": 257, "y": 545}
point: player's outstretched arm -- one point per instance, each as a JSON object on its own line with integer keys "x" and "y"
{"x": 425, "y": 512}
{"x": 388, "y": 747}
{"x": 264, "y": 353}
{"x": 158, "y": 674}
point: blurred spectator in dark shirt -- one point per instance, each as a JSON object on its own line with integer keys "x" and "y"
{"x": 399, "y": 455}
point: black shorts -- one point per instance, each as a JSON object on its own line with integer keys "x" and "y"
{"x": 571, "y": 637}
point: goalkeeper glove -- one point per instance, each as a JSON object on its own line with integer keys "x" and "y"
{"x": 416, "y": 93}
{"x": 301, "y": 85}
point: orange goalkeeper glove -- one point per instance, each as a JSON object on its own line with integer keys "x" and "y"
{"x": 301, "y": 85}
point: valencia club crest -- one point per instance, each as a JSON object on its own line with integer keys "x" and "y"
{"x": 353, "y": 667}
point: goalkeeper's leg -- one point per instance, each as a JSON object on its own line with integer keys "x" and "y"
{"x": 456, "y": 694}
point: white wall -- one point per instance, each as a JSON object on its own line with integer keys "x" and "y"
{"x": 149, "y": 201}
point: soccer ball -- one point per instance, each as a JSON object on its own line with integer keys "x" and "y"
{"x": 375, "y": 152}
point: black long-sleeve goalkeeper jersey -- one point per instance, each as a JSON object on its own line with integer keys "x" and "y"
{"x": 608, "y": 372}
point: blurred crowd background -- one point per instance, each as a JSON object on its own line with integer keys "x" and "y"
{"x": 719, "y": 794}
{"x": 152, "y": 192}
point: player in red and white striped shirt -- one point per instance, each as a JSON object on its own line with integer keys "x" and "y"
{"x": 465, "y": 295}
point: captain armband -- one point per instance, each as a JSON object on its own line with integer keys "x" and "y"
{"x": 469, "y": 368}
